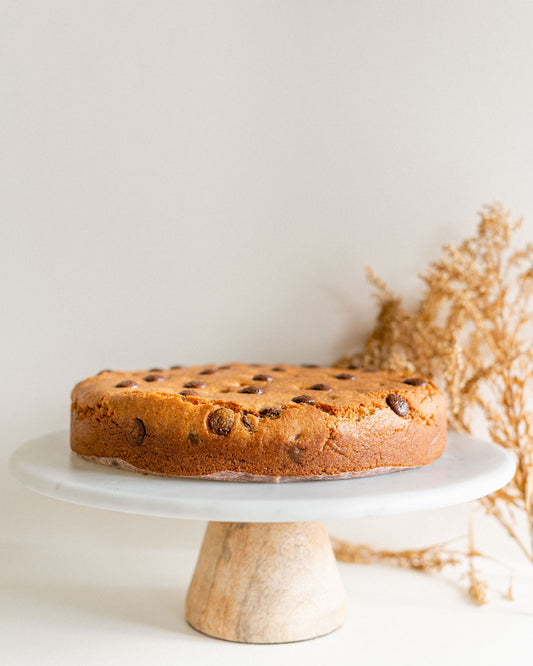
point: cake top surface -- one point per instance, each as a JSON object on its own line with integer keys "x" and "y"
{"x": 256, "y": 387}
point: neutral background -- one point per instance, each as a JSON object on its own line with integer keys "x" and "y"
{"x": 187, "y": 182}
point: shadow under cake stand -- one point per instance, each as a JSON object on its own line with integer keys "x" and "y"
{"x": 266, "y": 572}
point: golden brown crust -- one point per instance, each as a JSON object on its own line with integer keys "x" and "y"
{"x": 261, "y": 420}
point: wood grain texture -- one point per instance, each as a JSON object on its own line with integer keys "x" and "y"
{"x": 266, "y": 583}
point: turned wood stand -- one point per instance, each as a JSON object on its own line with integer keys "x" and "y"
{"x": 266, "y": 583}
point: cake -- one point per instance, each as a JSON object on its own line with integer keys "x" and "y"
{"x": 258, "y": 422}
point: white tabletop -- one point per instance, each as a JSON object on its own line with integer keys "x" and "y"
{"x": 469, "y": 468}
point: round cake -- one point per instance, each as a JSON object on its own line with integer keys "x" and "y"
{"x": 256, "y": 422}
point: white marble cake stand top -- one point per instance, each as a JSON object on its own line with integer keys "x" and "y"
{"x": 469, "y": 468}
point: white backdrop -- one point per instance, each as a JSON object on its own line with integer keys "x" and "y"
{"x": 187, "y": 182}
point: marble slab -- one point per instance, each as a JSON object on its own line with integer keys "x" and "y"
{"x": 469, "y": 469}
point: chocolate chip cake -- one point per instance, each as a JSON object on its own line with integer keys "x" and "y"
{"x": 258, "y": 422}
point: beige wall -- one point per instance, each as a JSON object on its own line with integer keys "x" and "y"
{"x": 204, "y": 181}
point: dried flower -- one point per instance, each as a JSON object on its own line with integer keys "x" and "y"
{"x": 472, "y": 333}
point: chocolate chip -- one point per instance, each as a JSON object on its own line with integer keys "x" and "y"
{"x": 193, "y": 438}
{"x": 127, "y": 383}
{"x": 221, "y": 421}
{"x": 304, "y": 399}
{"x": 416, "y": 381}
{"x": 296, "y": 454}
{"x": 251, "y": 389}
{"x": 208, "y": 371}
{"x": 154, "y": 378}
{"x": 354, "y": 367}
{"x": 344, "y": 375}
{"x": 188, "y": 393}
{"x": 262, "y": 378}
{"x": 248, "y": 421}
{"x": 270, "y": 413}
{"x": 195, "y": 384}
{"x": 320, "y": 387}
{"x": 309, "y": 365}
{"x": 103, "y": 372}
{"x": 398, "y": 404}
{"x": 176, "y": 367}
{"x": 156, "y": 370}
{"x": 278, "y": 368}
{"x": 224, "y": 367}
{"x": 137, "y": 432}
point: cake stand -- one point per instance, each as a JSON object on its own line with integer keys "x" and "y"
{"x": 266, "y": 572}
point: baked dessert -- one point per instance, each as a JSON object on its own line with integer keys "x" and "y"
{"x": 258, "y": 422}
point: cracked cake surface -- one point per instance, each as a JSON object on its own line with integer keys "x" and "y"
{"x": 258, "y": 421}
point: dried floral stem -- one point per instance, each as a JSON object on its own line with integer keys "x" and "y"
{"x": 472, "y": 333}
{"x": 493, "y": 507}
{"x": 432, "y": 558}
{"x": 477, "y": 589}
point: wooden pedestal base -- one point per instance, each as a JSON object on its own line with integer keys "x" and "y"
{"x": 266, "y": 583}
